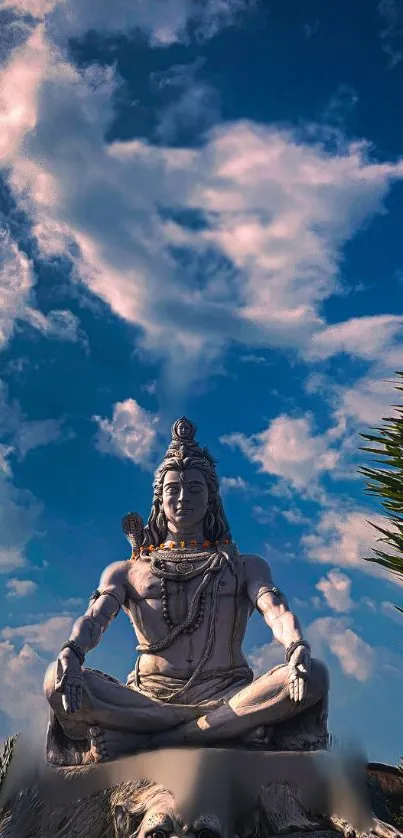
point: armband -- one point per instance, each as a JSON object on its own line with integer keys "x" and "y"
{"x": 109, "y": 593}
{"x": 291, "y": 649}
{"x": 267, "y": 590}
{"x": 95, "y": 595}
{"x": 76, "y": 649}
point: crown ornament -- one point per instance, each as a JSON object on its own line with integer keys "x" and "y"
{"x": 183, "y": 443}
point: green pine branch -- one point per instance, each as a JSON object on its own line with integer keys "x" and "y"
{"x": 6, "y": 756}
{"x": 384, "y": 480}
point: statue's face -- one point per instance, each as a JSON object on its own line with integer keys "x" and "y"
{"x": 183, "y": 430}
{"x": 185, "y": 499}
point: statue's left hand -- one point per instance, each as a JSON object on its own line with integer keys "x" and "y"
{"x": 299, "y": 670}
{"x": 69, "y": 681}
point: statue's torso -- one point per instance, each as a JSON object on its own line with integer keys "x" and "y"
{"x": 145, "y": 608}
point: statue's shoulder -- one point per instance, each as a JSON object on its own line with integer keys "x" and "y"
{"x": 254, "y": 566}
{"x": 115, "y": 573}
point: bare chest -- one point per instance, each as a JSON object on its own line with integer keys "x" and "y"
{"x": 145, "y": 585}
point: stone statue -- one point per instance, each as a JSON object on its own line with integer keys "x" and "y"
{"x": 188, "y": 592}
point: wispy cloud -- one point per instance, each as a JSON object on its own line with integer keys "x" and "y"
{"x": 234, "y": 484}
{"x": 344, "y": 537}
{"x": 19, "y": 509}
{"x": 288, "y": 449}
{"x": 20, "y": 587}
{"x": 16, "y": 283}
{"x": 340, "y": 106}
{"x": 24, "y": 655}
{"x": 164, "y": 23}
{"x": 356, "y": 657}
{"x": 47, "y": 636}
{"x": 392, "y": 32}
{"x": 336, "y": 589}
{"x": 364, "y": 337}
{"x": 265, "y": 657}
{"x": 189, "y": 103}
{"x": 21, "y": 694}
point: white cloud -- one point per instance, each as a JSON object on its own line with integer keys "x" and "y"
{"x": 11, "y": 558}
{"x": 344, "y": 538}
{"x": 16, "y": 283}
{"x": 48, "y": 636}
{"x": 20, "y": 587}
{"x": 289, "y": 449}
{"x": 5, "y": 451}
{"x": 36, "y": 8}
{"x": 24, "y": 435}
{"x": 19, "y": 512}
{"x": 21, "y": 694}
{"x": 265, "y": 657}
{"x": 366, "y": 402}
{"x": 63, "y": 325}
{"x": 19, "y": 87}
{"x": 336, "y": 589}
{"x": 365, "y": 337}
{"x": 36, "y": 433}
{"x": 276, "y": 207}
{"x": 355, "y": 656}
{"x": 293, "y": 516}
{"x": 234, "y": 483}
{"x": 23, "y": 669}
{"x": 164, "y": 23}
{"x": 131, "y": 433}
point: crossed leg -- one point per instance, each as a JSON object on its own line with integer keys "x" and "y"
{"x": 264, "y": 702}
{"x": 120, "y": 720}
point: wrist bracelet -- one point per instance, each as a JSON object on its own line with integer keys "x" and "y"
{"x": 291, "y": 649}
{"x": 76, "y": 649}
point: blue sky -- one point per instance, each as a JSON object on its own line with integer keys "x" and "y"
{"x": 201, "y": 212}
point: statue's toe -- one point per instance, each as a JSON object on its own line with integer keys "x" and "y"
{"x": 99, "y": 747}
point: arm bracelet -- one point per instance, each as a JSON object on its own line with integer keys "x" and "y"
{"x": 291, "y": 649}
{"x": 76, "y": 649}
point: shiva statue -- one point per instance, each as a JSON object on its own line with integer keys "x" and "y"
{"x": 188, "y": 593}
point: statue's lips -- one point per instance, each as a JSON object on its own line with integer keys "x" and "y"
{"x": 183, "y": 511}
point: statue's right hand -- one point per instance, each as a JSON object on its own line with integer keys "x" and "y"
{"x": 69, "y": 681}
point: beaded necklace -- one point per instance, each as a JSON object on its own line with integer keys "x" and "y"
{"x": 210, "y": 571}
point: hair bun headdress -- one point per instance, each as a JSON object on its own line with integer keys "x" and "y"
{"x": 183, "y": 443}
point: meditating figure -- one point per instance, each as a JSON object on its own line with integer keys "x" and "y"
{"x": 189, "y": 593}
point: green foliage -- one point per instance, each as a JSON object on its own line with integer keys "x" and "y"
{"x": 6, "y": 756}
{"x": 385, "y": 481}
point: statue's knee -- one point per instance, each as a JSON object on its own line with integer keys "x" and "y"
{"x": 320, "y": 677}
{"x": 49, "y": 682}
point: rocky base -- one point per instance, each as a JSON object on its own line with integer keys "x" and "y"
{"x": 120, "y": 813}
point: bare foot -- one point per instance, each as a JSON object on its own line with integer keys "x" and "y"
{"x": 259, "y": 737}
{"x": 109, "y": 744}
